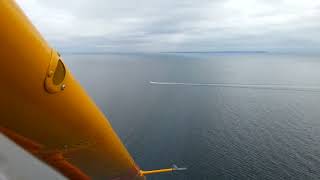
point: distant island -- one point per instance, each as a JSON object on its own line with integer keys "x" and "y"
{"x": 215, "y": 52}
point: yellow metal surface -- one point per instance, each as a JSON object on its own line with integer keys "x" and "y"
{"x": 64, "y": 129}
{"x": 156, "y": 171}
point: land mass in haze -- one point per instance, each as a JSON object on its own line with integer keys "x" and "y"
{"x": 235, "y": 52}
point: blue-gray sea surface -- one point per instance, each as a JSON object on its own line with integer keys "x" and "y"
{"x": 232, "y": 131}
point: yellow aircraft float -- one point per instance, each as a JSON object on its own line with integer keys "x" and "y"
{"x": 46, "y": 111}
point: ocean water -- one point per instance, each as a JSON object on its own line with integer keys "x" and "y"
{"x": 223, "y": 116}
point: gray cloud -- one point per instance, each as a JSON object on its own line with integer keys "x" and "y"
{"x": 166, "y": 25}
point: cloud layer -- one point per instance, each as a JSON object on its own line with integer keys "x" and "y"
{"x": 166, "y": 25}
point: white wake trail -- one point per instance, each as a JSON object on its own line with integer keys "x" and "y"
{"x": 247, "y": 86}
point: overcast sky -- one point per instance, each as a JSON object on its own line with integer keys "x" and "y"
{"x": 168, "y": 25}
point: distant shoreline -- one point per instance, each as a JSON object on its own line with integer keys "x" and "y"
{"x": 172, "y": 52}
{"x": 217, "y": 52}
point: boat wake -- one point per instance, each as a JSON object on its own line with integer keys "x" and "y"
{"x": 245, "y": 86}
